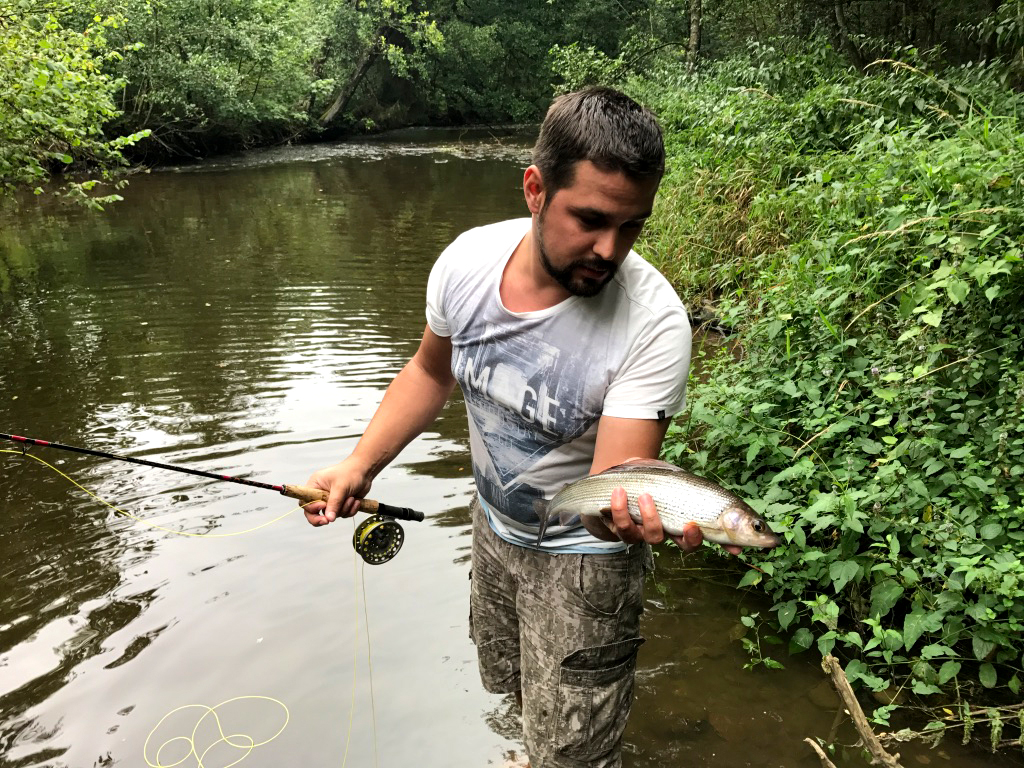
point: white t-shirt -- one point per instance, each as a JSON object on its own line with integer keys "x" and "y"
{"x": 536, "y": 383}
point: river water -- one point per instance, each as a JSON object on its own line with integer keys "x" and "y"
{"x": 243, "y": 317}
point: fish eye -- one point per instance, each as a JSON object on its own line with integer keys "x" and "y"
{"x": 759, "y": 526}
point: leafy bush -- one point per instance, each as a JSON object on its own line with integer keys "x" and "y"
{"x": 866, "y": 243}
{"x": 55, "y": 98}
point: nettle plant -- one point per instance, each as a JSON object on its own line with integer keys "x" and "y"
{"x": 873, "y": 412}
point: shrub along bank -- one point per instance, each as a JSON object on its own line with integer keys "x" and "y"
{"x": 863, "y": 234}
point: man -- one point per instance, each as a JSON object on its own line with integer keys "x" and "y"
{"x": 573, "y": 354}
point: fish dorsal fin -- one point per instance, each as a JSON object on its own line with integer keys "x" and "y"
{"x": 641, "y": 464}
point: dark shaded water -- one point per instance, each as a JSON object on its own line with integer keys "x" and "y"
{"x": 244, "y": 317}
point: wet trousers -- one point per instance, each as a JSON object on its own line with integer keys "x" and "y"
{"x": 564, "y": 630}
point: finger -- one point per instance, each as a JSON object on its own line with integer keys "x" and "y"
{"x": 335, "y": 503}
{"x": 690, "y": 539}
{"x": 653, "y": 531}
{"x": 350, "y": 507}
{"x": 314, "y": 516}
{"x": 622, "y": 524}
{"x": 732, "y": 548}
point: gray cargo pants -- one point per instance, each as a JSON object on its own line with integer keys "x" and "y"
{"x": 563, "y": 629}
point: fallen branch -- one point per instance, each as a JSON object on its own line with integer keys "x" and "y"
{"x": 878, "y": 754}
{"x": 825, "y": 762}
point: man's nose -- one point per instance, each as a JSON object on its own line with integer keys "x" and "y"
{"x": 606, "y": 245}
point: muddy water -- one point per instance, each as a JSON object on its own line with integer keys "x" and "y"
{"x": 243, "y": 316}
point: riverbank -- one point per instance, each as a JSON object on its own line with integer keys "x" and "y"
{"x": 864, "y": 235}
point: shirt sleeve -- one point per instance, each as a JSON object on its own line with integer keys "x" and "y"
{"x": 652, "y": 381}
{"x": 436, "y": 284}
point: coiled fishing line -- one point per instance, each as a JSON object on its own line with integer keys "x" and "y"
{"x": 238, "y": 741}
{"x": 242, "y": 742}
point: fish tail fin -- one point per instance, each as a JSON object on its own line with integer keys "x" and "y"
{"x": 540, "y": 506}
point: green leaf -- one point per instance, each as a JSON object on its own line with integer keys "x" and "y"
{"x": 752, "y": 576}
{"x": 826, "y": 643}
{"x": 987, "y": 675}
{"x": 752, "y": 450}
{"x": 842, "y": 572}
{"x": 786, "y": 613}
{"x": 948, "y": 671}
{"x": 922, "y": 688}
{"x": 981, "y": 647}
{"x": 957, "y": 290}
{"x": 990, "y": 531}
{"x": 884, "y": 595}
{"x": 802, "y": 639}
{"x": 935, "y": 650}
{"x": 917, "y": 623}
{"x": 977, "y": 483}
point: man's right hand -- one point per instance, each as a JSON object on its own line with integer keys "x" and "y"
{"x": 347, "y": 482}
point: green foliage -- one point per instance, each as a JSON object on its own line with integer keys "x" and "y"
{"x": 477, "y": 75}
{"x": 219, "y": 74}
{"x": 1003, "y": 32}
{"x": 578, "y": 67}
{"x": 864, "y": 236}
{"x": 55, "y": 98}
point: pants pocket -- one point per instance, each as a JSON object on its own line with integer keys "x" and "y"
{"x": 595, "y": 692}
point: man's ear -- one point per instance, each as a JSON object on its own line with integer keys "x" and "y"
{"x": 533, "y": 189}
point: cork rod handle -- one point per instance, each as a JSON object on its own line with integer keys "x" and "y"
{"x": 306, "y": 494}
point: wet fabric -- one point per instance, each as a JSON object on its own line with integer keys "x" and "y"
{"x": 563, "y": 629}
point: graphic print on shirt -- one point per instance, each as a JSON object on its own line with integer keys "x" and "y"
{"x": 524, "y": 396}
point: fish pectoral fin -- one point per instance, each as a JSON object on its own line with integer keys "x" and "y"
{"x": 566, "y": 517}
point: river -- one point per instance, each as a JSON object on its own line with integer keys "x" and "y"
{"x": 243, "y": 316}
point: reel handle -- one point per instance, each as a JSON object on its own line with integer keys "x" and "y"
{"x": 306, "y": 494}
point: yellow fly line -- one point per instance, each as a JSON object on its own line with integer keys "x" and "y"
{"x": 243, "y": 743}
{"x": 143, "y": 521}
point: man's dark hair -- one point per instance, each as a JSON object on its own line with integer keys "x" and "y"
{"x": 603, "y": 126}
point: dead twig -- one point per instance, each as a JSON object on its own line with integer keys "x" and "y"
{"x": 878, "y": 754}
{"x": 825, "y": 762}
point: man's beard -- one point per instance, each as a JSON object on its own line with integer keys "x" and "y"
{"x": 577, "y": 286}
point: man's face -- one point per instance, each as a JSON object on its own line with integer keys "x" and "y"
{"x": 585, "y": 230}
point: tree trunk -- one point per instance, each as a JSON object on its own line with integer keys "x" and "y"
{"x": 990, "y": 47}
{"x": 852, "y": 51}
{"x": 693, "y": 47}
{"x": 348, "y": 90}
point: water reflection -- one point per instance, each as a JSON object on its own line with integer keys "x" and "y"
{"x": 242, "y": 317}
{"x": 216, "y": 315}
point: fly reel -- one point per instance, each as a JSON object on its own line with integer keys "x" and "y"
{"x": 377, "y": 539}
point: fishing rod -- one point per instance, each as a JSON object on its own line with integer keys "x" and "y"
{"x": 377, "y": 539}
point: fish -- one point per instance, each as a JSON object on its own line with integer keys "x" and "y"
{"x": 680, "y": 498}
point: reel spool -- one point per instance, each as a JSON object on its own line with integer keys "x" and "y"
{"x": 377, "y": 539}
